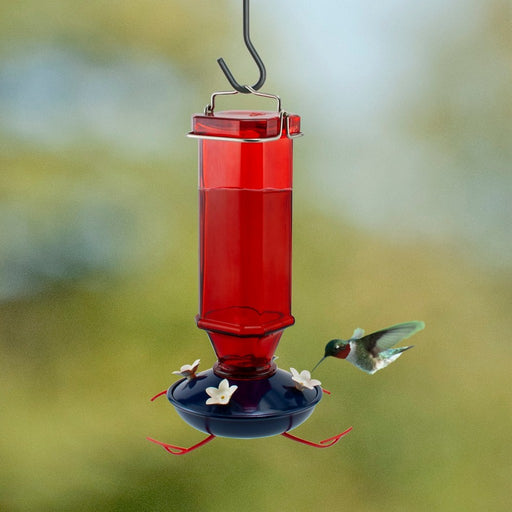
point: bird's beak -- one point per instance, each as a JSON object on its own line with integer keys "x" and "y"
{"x": 317, "y": 364}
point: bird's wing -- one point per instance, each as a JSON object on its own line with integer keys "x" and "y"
{"x": 386, "y": 338}
{"x": 358, "y": 333}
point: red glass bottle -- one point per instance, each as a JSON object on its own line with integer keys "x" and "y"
{"x": 245, "y": 195}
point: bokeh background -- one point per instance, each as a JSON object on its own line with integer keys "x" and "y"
{"x": 402, "y": 210}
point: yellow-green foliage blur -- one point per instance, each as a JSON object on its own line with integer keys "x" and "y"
{"x": 98, "y": 268}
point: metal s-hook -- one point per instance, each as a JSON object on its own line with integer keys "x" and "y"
{"x": 263, "y": 73}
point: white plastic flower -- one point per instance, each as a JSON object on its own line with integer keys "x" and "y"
{"x": 303, "y": 379}
{"x": 222, "y": 394}
{"x": 189, "y": 370}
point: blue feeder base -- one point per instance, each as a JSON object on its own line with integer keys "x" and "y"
{"x": 258, "y": 408}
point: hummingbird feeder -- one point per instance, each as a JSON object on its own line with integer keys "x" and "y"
{"x": 245, "y": 243}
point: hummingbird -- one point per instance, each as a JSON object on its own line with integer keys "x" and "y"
{"x": 372, "y": 352}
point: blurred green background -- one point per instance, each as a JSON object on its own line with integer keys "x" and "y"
{"x": 402, "y": 211}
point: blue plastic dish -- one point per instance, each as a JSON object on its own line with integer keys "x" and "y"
{"x": 258, "y": 408}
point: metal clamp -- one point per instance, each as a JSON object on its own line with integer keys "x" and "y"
{"x": 283, "y": 116}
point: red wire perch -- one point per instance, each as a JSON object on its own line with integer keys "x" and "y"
{"x": 323, "y": 444}
{"x": 178, "y": 450}
{"x": 159, "y": 394}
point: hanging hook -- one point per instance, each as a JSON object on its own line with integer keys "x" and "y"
{"x": 263, "y": 74}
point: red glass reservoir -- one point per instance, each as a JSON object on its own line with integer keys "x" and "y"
{"x": 245, "y": 195}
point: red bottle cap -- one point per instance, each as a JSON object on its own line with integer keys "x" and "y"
{"x": 246, "y": 125}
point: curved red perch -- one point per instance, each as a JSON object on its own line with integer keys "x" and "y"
{"x": 178, "y": 450}
{"x": 323, "y": 444}
{"x": 152, "y": 399}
